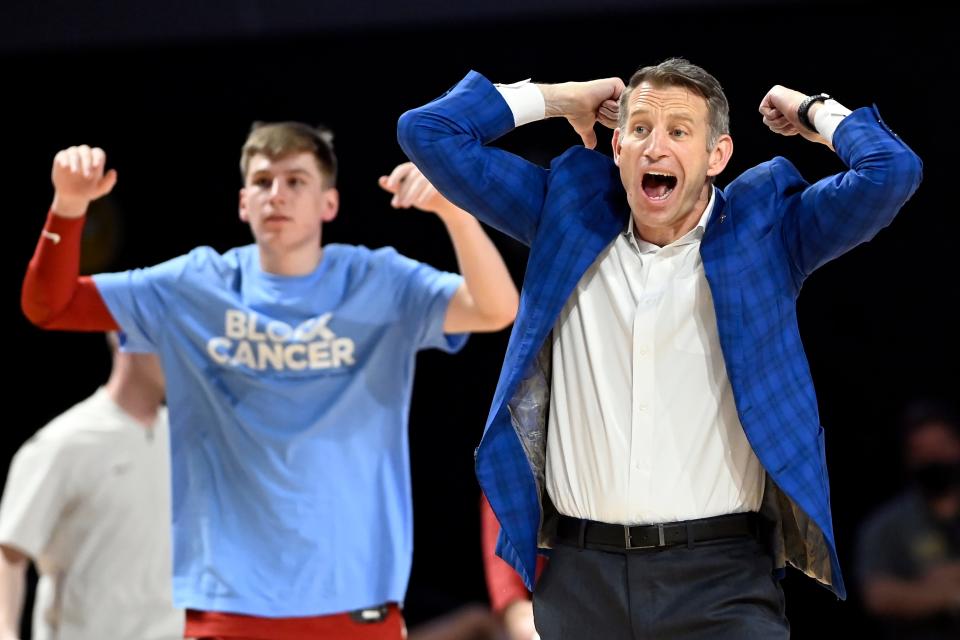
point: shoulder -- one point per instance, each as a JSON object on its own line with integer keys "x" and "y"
{"x": 350, "y": 253}
{"x": 360, "y": 266}
{"x": 197, "y": 261}
{"x": 80, "y": 430}
{"x": 95, "y": 417}
{"x": 356, "y": 260}
{"x": 774, "y": 177}
{"x": 210, "y": 258}
{"x": 206, "y": 253}
{"x": 583, "y": 174}
{"x": 389, "y": 260}
{"x": 759, "y": 196}
{"x": 579, "y": 159}
{"x": 205, "y": 264}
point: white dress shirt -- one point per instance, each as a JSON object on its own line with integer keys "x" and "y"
{"x": 643, "y": 427}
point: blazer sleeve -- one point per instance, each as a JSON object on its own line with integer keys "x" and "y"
{"x": 840, "y": 212}
{"x": 448, "y": 139}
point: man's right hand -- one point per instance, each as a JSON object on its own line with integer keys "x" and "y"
{"x": 583, "y": 104}
{"x": 78, "y": 179}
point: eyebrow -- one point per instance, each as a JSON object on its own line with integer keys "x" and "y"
{"x": 294, "y": 171}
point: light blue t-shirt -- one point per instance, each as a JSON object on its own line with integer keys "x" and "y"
{"x": 288, "y": 400}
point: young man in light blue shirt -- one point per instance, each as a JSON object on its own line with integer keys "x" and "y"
{"x": 289, "y": 368}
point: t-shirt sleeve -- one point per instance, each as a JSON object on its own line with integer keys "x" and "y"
{"x": 38, "y": 490}
{"x": 138, "y": 300}
{"x": 424, "y": 295}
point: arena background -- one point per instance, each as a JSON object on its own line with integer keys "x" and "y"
{"x": 170, "y": 89}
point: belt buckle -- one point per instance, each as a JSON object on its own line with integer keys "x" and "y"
{"x": 628, "y": 542}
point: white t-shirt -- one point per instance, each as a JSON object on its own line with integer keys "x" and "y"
{"x": 88, "y": 498}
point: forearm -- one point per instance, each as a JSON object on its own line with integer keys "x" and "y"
{"x": 558, "y": 100}
{"x": 492, "y": 293}
{"x": 54, "y": 294}
{"x": 13, "y": 568}
{"x": 448, "y": 140}
{"x": 891, "y": 597}
{"x": 583, "y": 104}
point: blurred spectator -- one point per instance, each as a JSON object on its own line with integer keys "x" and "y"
{"x": 87, "y": 500}
{"x": 908, "y": 560}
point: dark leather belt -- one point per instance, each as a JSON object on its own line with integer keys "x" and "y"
{"x": 617, "y": 537}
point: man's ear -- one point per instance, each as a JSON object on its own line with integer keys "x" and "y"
{"x": 720, "y": 155}
{"x": 615, "y": 143}
{"x": 331, "y": 204}
{"x": 242, "y": 208}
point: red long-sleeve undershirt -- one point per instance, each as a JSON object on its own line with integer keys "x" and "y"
{"x": 55, "y": 295}
{"x": 503, "y": 583}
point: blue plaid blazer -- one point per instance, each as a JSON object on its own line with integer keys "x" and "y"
{"x": 770, "y": 229}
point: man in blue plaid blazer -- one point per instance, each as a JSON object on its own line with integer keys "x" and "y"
{"x": 657, "y": 335}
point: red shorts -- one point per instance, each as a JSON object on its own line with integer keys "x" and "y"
{"x": 209, "y": 625}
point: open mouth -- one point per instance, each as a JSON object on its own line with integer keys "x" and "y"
{"x": 658, "y": 186}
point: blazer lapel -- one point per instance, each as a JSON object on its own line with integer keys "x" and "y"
{"x": 720, "y": 264}
{"x": 575, "y": 241}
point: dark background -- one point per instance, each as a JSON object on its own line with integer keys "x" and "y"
{"x": 169, "y": 91}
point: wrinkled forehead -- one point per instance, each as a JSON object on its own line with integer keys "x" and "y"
{"x": 666, "y": 99}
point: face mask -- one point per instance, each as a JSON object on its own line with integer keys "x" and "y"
{"x": 936, "y": 479}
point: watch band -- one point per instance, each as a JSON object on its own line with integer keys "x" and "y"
{"x": 804, "y": 109}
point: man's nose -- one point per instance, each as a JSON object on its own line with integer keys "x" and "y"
{"x": 656, "y": 147}
{"x": 277, "y": 190}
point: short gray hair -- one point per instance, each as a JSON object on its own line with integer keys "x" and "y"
{"x": 678, "y": 72}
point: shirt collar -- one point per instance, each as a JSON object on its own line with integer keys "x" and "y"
{"x": 694, "y": 235}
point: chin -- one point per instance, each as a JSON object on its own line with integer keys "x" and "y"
{"x": 658, "y": 218}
